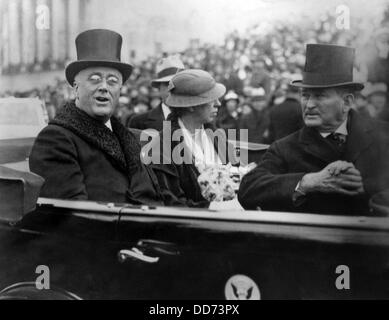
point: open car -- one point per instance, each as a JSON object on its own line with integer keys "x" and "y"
{"x": 96, "y": 250}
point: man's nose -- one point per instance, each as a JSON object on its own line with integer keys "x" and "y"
{"x": 311, "y": 103}
{"x": 103, "y": 85}
{"x": 217, "y": 103}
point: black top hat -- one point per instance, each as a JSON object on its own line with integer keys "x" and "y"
{"x": 98, "y": 47}
{"x": 328, "y": 66}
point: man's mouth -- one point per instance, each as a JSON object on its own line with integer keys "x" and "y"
{"x": 102, "y": 99}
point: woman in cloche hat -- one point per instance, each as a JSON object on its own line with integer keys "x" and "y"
{"x": 194, "y": 100}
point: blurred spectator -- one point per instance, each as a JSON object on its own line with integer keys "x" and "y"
{"x": 361, "y": 104}
{"x": 141, "y": 107}
{"x": 257, "y": 119}
{"x": 229, "y": 113}
{"x": 378, "y": 66}
{"x": 155, "y": 98}
{"x": 232, "y": 81}
{"x": 257, "y": 59}
{"x": 376, "y": 100}
{"x": 123, "y": 111}
{"x": 260, "y": 78}
{"x": 286, "y": 117}
{"x": 51, "y": 110}
{"x": 166, "y": 69}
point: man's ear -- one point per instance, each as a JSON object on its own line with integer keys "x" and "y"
{"x": 348, "y": 99}
{"x": 75, "y": 89}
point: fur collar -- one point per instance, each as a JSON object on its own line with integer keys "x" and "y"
{"x": 120, "y": 145}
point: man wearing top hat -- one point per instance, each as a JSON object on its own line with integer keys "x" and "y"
{"x": 337, "y": 161}
{"x": 85, "y": 153}
{"x": 166, "y": 68}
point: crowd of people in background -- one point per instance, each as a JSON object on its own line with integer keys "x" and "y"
{"x": 256, "y": 69}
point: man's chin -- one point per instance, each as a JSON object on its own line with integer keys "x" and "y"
{"x": 312, "y": 122}
{"x": 102, "y": 113}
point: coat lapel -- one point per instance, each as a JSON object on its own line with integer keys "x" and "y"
{"x": 317, "y": 146}
{"x": 129, "y": 144}
{"x": 118, "y": 145}
{"x": 360, "y": 136}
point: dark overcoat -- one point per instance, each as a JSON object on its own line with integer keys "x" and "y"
{"x": 271, "y": 185}
{"x": 178, "y": 182}
{"x": 80, "y": 158}
{"x": 152, "y": 119}
{"x": 285, "y": 119}
{"x": 256, "y": 122}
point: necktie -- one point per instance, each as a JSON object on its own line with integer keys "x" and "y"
{"x": 338, "y": 139}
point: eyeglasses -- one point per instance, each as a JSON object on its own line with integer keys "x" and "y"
{"x": 111, "y": 80}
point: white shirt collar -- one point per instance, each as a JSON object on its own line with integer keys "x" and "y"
{"x": 201, "y": 147}
{"x": 108, "y": 125}
{"x": 166, "y": 110}
{"x": 341, "y": 129}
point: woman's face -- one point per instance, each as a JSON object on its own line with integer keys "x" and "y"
{"x": 208, "y": 112}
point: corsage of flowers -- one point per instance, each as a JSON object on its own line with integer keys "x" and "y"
{"x": 217, "y": 184}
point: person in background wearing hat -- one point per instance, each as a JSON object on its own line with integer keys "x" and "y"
{"x": 257, "y": 120}
{"x": 228, "y": 116}
{"x": 378, "y": 63}
{"x": 153, "y": 119}
{"x": 337, "y": 161}
{"x": 377, "y": 107}
{"x": 194, "y": 101}
{"x": 286, "y": 117}
{"x": 85, "y": 153}
{"x": 360, "y": 104}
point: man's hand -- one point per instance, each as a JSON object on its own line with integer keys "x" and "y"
{"x": 338, "y": 177}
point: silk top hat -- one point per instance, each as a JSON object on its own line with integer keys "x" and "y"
{"x": 166, "y": 69}
{"x": 98, "y": 48}
{"x": 193, "y": 87}
{"x": 328, "y": 66}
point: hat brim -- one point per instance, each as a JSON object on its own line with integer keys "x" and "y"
{"x": 156, "y": 82}
{"x": 75, "y": 67}
{"x": 231, "y": 98}
{"x": 299, "y": 84}
{"x": 184, "y": 101}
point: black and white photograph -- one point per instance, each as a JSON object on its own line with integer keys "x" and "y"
{"x": 194, "y": 150}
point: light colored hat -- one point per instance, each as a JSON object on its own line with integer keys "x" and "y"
{"x": 231, "y": 95}
{"x": 166, "y": 69}
{"x": 193, "y": 87}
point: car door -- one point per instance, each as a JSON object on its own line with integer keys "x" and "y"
{"x": 175, "y": 253}
{"x": 117, "y": 251}
{"x": 75, "y": 241}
